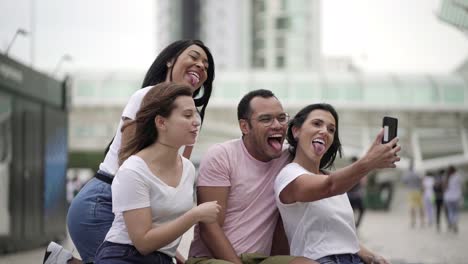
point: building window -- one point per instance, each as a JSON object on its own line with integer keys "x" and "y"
{"x": 282, "y": 23}
{"x": 280, "y": 42}
{"x": 259, "y": 5}
{"x": 259, "y": 62}
{"x": 259, "y": 43}
{"x": 280, "y": 61}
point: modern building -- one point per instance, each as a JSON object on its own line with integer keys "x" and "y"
{"x": 432, "y": 109}
{"x": 248, "y": 34}
{"x": 33, "y": 156}
{"x": 177, "y": 19}
{"x": 275, "y": 45}
{"x": 455, "y": 13}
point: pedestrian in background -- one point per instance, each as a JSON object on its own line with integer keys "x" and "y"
{"x": 439, "y": 195}
{"x": 428, "y": 197}
{"x": 413, "y": 181}
{"x": 452, "y": 197}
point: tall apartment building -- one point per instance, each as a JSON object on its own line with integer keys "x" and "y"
{"x": 247, "y": 34}
{"x": 176, "y": 19}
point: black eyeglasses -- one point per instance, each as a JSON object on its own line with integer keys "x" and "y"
{"x": 267, "y": 120}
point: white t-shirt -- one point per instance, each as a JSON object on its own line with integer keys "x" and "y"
{"x": 453, "y": 192}
{"x": 110, "y": 164}
{"x": 428, "y": 186}
{"x": 135, "y": 186}
{"x": 316, "y": 229}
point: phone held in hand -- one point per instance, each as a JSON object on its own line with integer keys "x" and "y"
{"x": 390, "y": 125}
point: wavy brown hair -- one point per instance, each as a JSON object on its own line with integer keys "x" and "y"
{"x": 159, "y": 101}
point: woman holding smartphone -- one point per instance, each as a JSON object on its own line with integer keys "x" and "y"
{"x": 317, "y": 216}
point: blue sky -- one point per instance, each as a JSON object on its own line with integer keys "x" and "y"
{"x": 380, "y": 35}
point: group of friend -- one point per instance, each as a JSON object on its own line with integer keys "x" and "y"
{"x": 257, "y": 200}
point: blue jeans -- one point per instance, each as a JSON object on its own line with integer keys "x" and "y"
{"x": 90, "y": 217}
{"x": 114, "y": 253}
{"x": 341, "y": 259}
{"x": 452, "y": 212}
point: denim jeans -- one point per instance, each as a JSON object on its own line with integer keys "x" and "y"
{"x": 341, "y": 259}
{"x": 90, "y": 217}
{"x": 114, "y": 253}
{"x": 452, "y": 211}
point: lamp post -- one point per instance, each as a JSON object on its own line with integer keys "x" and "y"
{"x": 64, "y": 58}
{"x": 19, "y": 31}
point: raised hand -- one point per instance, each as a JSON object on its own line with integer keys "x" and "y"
{"x": 380, "y": 155}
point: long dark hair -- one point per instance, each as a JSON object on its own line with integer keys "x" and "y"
{"x": 158, "y": 71}
{"x": 299, "y": 119}
{"x": 159, "y": 101}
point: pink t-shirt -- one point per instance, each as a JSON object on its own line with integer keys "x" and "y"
{"x": 251, "y": 214}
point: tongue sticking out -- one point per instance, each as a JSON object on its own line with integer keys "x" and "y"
{"x": 319, "y": 148}
{"x": 275, "y": 144}
{"x": 193, "y": 79}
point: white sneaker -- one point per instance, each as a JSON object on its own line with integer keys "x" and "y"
{"x": 56, "y": 254}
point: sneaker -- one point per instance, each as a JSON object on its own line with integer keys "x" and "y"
{"x": 56, "y": 254}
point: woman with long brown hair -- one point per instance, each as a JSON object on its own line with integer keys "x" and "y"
{"x": 153, "y": 190}
{"x": 90, "y": 214}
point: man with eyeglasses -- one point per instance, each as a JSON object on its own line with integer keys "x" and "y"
{"x": 240, "y": 175}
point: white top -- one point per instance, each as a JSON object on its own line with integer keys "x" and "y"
{"x": 135, "y": 186}
{"x": 316, "y": 229}
{"x": 428, "y": 186}
{"x": 453, "y": 192}
{"x": 110, "y": 164}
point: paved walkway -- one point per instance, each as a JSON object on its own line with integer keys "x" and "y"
{"x": 387, "y": 233}
{"x": 390, "y": 235}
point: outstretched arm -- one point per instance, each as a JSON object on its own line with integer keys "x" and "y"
{"x": 308, "y": 189}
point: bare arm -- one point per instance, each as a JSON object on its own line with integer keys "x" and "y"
{"x": 308, "y": 189}
{"x": 212, "y": 234}
{"x": 147, "y": 238}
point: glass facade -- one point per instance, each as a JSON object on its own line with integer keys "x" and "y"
{"x": 111, "y": 91}
{"x": 366, "y": 90}
{"x": 290, "y": 31}
{"x": 431, "y": 108}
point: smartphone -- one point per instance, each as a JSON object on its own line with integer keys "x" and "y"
{"x": 390, "y": 125}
